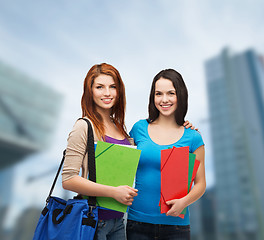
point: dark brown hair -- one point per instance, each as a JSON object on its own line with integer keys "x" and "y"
{"x": 88, "y": 105}
{"x": 181, "y": 93}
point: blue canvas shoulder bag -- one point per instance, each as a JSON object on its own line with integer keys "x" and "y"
{"x": 72, "y": 219}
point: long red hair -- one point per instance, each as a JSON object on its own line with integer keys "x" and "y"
{"x": 88, "y": 105}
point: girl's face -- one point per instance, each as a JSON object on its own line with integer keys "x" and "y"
{"x": 104, "y": 92}
{"x": 165, "y": 98}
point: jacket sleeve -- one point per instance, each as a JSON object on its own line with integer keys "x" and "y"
{"x": 75, "y": 151}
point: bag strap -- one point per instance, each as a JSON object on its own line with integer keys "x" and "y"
{"x": 91, "y": 159}
{"x": 91, "y": 163}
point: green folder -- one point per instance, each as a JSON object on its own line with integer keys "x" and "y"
{"x": 191, "y": 166}
{"x": 190, "y": 172}
{"x": 115, "y": 165}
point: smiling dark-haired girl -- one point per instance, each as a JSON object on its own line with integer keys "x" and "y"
{"x": 164, "y": 128}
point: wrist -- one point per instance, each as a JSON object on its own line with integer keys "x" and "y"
{"x": 184, "y": 201}
{"x": 112, "y": 192}
{"x": 107, "y": 191}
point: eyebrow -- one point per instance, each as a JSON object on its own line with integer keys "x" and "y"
{"x": 171, "y": 90}
{"x": 104, "y": 84}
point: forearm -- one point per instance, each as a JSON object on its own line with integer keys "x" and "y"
{"x": 85, "y": 187}
{"x": 196, "y": 192}
{"x": 200, "y": 181}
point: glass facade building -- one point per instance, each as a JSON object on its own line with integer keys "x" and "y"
{"x": 235, "y": 91}
{"x": 28, "y": 115}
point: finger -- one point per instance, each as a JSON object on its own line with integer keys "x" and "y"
{"x": 172, "y": 213}
{"x": 130, "y": 198}
{"x": 169, "y": 203}
{"x": 129, "y": 201}
{"x": 133, "y": 189}
{"x": 133, "y": 194}
{"x": 185, "y": 123}
{"x": 169, "y": 213}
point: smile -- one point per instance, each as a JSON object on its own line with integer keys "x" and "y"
{"x": 107, "y": 100}
{"x": 166, "y": 106}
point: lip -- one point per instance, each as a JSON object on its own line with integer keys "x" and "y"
{"x": 165, "y": 107}
{"x": 107, "y": 100}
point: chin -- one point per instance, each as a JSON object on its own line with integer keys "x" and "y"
{"x": 166, "y": 114}
{"x": 107, "y": 107}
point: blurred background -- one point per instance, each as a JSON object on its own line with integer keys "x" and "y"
{"x": 46, "y": 49}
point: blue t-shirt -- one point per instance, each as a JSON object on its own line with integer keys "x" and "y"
{"x": 145, "y": 207}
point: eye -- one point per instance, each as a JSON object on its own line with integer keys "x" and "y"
{"x": 172, "y": 93}
{"x": 113, "y": 86}
{"x": 98, "y": 87}
{"x": 157, "y": 93}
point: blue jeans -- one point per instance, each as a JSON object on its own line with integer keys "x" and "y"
{"x": 112, "y": 229}
{"x": 147, "y": 231}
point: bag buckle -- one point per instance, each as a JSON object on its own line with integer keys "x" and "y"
{"x": 91, "y": 210}
{"x": 47, "y": 201}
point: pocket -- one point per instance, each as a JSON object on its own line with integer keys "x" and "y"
{"x": 130, "y": 225}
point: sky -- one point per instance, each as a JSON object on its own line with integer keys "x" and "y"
{"x": 56, "y": 42}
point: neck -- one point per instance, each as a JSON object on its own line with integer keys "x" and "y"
{"x": 105, "y": 113}
{"x": 166, "y": 121}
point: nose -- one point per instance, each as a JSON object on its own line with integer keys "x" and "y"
{"x": 107, "y": 91}
{"x": 164, "y": 98}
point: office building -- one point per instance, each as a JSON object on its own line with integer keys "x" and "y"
{"x": 202, "y": 217}
{"x": 28, "y": 116}
{"x": 208, "y": 214}
{"x": 235, "y": 90}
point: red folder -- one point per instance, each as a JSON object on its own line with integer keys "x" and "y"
{"x": 178, "y": 171}
{"x": 174, "y": 175}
